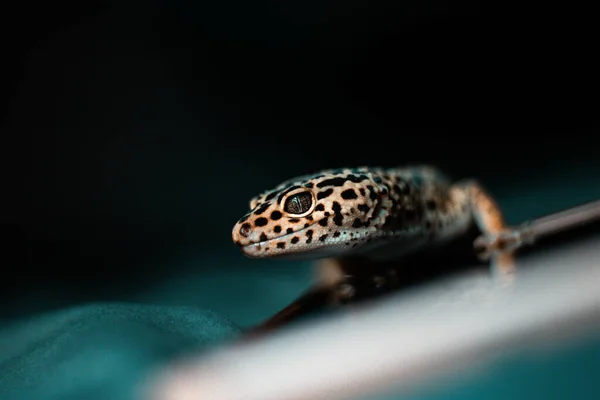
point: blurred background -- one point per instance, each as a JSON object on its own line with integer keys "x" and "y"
{"x": 134, "y": 133}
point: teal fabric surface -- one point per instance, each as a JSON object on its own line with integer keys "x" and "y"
{"x": 100, "y": 351}
{"x": 104, "y": 350}
{"x": 557, "y": 373}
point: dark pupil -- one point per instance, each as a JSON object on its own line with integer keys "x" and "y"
{"x": 298, "y": 203}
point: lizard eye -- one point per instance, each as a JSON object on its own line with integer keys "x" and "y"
{"x": 299, "y": 203}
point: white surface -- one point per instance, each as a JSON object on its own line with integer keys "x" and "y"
{"x": 408, "y": 338}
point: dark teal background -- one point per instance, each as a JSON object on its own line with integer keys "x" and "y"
{"x": 134, "y": 134}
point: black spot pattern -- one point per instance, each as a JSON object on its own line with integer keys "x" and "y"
{"x": 357, "y": 179}
{"x": 270, "y": 196}
{"x": 281, "y": 245}
{"x": 289, "y": 230}
{"x": 349, "y": 194}
{"x": 263, "y": 237}
{"x": 339, "y": 181}
{"x": 323, "y": 221}
{"x": 320, "y": 207}
{"x": 324, "y": 194}
{"x": 261, "y": 209}
{"x": 322, "y": 238}
{"x": 275, "y": 215}
{"x": 262, "y": 221}
{"x": 357, "y": 223}
{"x": 277, "y": 229}
{"x": 337, "y": 209}
{"x": 295, "y": 240}
{"x": 363, "y": 207}
{"x": 309, "y": 235}
{"x": 332, "y": 182}
{"x": 372, "y": 193}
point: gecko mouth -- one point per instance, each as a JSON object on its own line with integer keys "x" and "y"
{"x": 262, "y": 248}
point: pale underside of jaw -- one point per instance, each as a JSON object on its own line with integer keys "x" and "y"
{"x": 299, "y": 250}
{"x": 330, "y": 247}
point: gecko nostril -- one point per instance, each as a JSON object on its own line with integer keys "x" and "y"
{"x": 245, "y": 230}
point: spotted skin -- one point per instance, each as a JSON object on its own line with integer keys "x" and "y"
{"x": 376, "y": 213}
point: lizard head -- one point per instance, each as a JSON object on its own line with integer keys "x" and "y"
{"x": 314, "y": 216}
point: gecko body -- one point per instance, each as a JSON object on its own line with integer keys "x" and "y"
{"x": 377, "y": 213}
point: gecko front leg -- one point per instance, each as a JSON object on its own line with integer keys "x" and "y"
{"x": 350, "y": 279}
{"x": 498, "y": 242}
